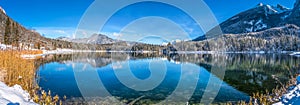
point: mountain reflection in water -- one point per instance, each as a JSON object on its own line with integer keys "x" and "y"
{"x": 244, "y": 74}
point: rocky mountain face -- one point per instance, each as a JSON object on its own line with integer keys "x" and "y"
{"x": 256, "y": 19}
{"x": 262, "y": 28}
{"x": 294, "y": 15}
{"x": 259, "y": 18}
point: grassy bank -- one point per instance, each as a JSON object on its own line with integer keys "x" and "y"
{"x": 16, "y": 70}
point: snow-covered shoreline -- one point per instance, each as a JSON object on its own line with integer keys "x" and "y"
{"x": 292, "y": 97}
{"x": 69, "y": 51}
{"x": 59, "y": 51}
{"x": 297, "y": 54}
{"x": 14, "y": 95}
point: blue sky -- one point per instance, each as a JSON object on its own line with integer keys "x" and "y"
{"x": 56, "y": 18}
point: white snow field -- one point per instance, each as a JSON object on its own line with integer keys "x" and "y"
{"x": 14, "y": 95}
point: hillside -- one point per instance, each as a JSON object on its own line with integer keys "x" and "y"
{"x": 269, "y": 39}
{"x": 12, "y": 33}
{"x": 259, "y": 18}
{"x": 15, "y": 35}
{"x": 285, "y": 38}
{"x": 261, "y": 28}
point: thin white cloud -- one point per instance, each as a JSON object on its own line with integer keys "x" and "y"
{"x": 153, "y": 26}
{"x": 54, "y": 32}
{"x": 139, "y": 29}
{"x": 117, "y": 34}
{"x": 60, "y": 31}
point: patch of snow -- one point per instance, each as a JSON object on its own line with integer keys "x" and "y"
{"x": 64, "y": 51}
{"x": 164, "y": 44}
{"x": 2, "y": 46}
{"x": 269, "y": 10}
{"x": 264, "y": 26}
{"x": 279, "y": 10}
{"x": 250, "y": 22}
{"x": 257, "y": 25}
{"x": 274, "y": 9}
{"x": 258, "y": 22}
{"x": 295, "y": 53}
{"x": 260, "y": 25}
{"x": 260, "y": 4}
{"x": 176, "y": 62}
{"x": 234, "y": 18}
{"x": 14, "y": 95}
{"x": 249, "y": 29}
{"x": 292, "y": 97}
{"x": 1, "y": 9}
{"x": 261, "y": 52}
{"x": 285, "y": 16}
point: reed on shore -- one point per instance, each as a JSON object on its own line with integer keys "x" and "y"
{"x": 16, "y": 70}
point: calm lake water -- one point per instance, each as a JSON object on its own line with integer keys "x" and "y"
{"x": 153, "y": 78}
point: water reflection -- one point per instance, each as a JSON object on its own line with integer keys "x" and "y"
{"x": 245, "y": 74}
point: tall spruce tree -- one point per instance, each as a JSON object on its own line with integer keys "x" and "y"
{"x": 7, "y": 33}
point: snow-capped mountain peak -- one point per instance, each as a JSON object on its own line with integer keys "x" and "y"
{"x": 260, "y": 4}
{"x": 268, "y": 9}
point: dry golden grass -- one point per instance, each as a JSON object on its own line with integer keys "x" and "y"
{"x": 18, "y": 70}
{"x": 31, "y": 52}
{"x": 22, "y": 72}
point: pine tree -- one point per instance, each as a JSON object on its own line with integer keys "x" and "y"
{"x": 7, "y": 33}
